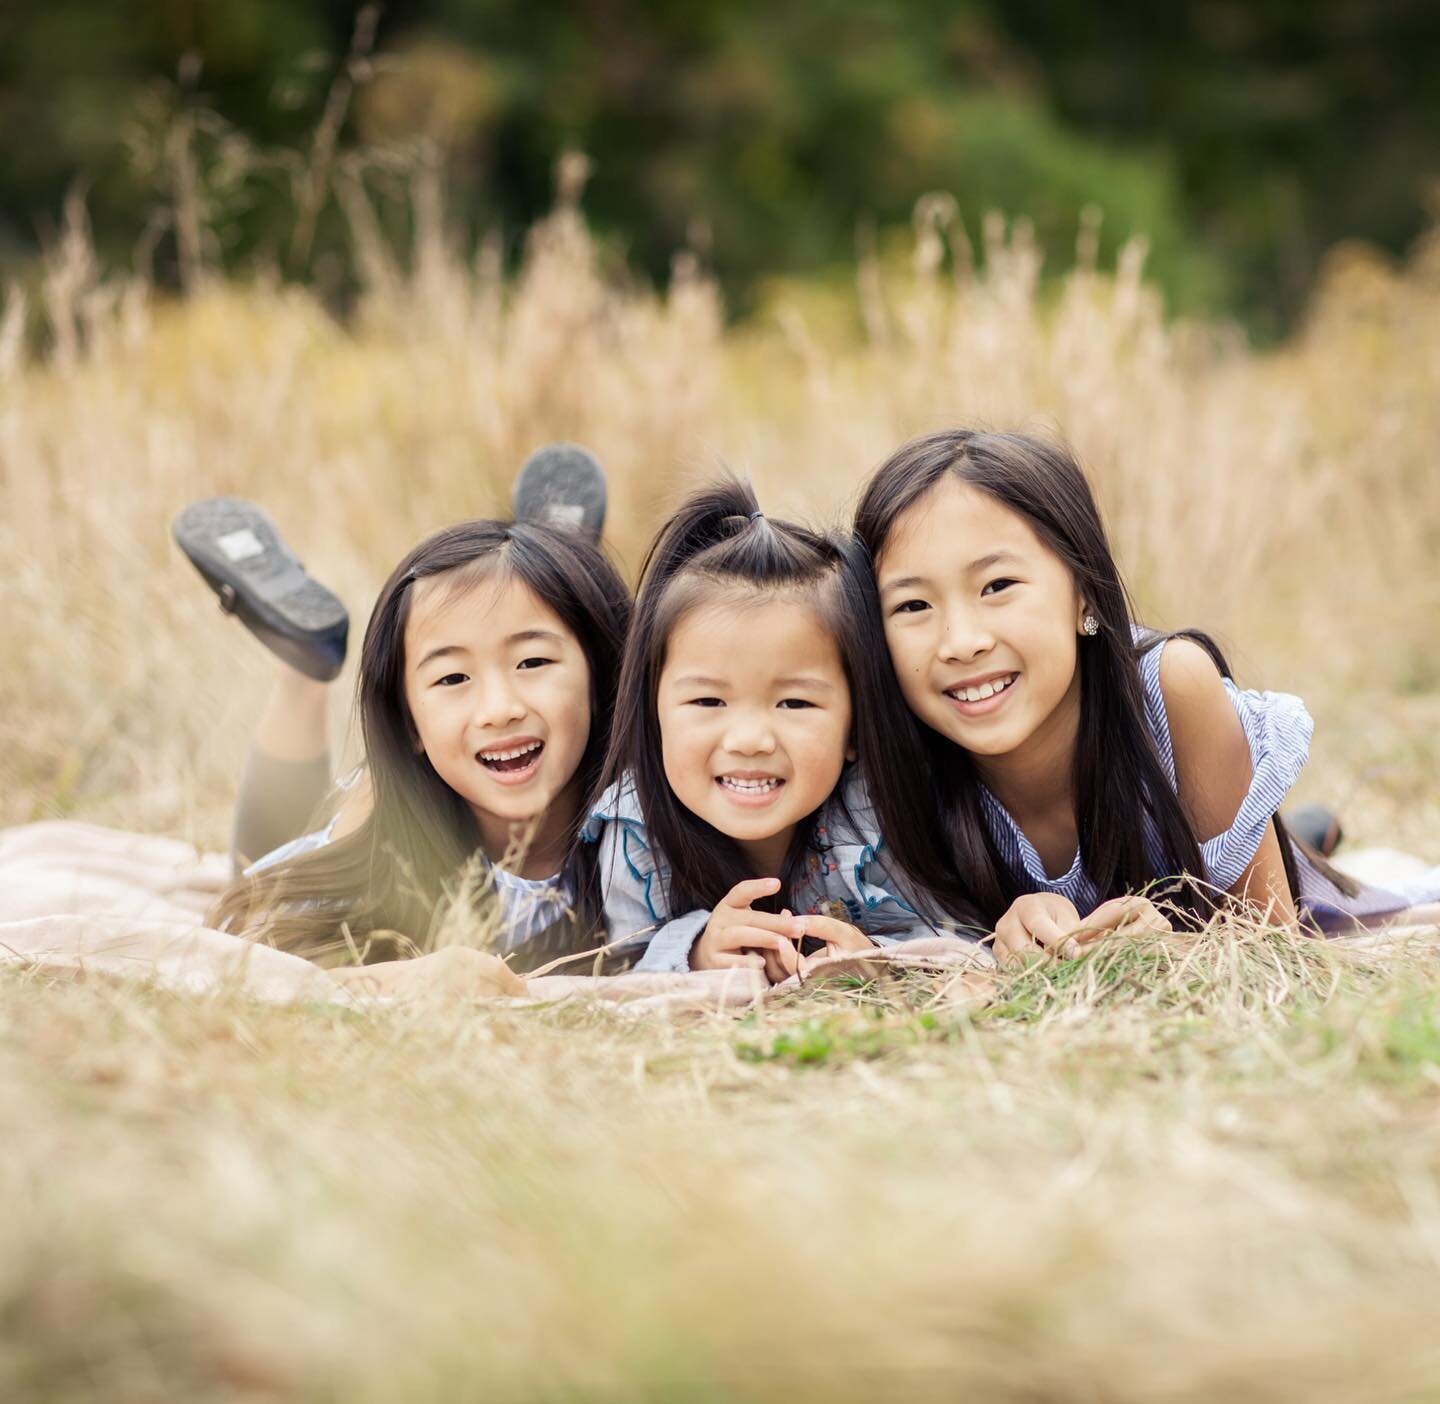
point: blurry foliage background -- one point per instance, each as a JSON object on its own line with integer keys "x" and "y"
{"x": 1242, "y": 138}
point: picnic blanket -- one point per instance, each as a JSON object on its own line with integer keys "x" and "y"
{"x": 81, "y": 900}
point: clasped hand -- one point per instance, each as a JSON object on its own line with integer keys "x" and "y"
{"x": 737, "y": 936}
{"x": 1043, "y": 922}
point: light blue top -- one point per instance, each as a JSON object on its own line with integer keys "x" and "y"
{"x": 846, "y": 878}
{"x": 528, "y": 906}
{"x": 1278, "y": 729}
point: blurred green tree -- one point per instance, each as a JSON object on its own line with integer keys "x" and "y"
{"x": 1242, "y": 138}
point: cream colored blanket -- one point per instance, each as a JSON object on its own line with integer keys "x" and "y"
{"x": 81, "y": 900}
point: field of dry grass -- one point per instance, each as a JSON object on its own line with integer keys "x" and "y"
{"x": 1166, "y": 1172}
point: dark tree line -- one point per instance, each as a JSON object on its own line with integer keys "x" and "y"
{"x": 1243, "y": 138}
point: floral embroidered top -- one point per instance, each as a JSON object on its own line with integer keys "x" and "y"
{"x": 846, "y": 877}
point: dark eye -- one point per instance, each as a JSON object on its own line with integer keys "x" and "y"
{"x": 910, "y": 607}
{"x": 533, "y": 663}
{"x": 794, "y": 703}
{"x": 450, "y": 680}
{"x": 706, "y": 702}
{"x": 995, "y": 586}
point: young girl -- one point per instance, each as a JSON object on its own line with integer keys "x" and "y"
{"x": 242, "y": 556}
{"x": 734, "y": 829}
{"x": 1044, "y": 761}
{"x": 487, "y": 685}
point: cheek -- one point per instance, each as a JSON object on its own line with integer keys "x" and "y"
{"x": 908, "y": 649}
{"x": 820, "y": 749}
{"x": 423, "y": 725}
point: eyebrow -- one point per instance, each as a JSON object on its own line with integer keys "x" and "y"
{"x": 906, "y": 582}
{"x": 535, "y": 635}
{"x": 523, "y": 636}
{"x": 443, "y": 651}
{"x": 797, "y": 680}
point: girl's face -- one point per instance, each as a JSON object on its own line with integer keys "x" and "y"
{"x": 499, "y": 690}
{"x": 754, "y": 720}
{"x": 982, "y": 620}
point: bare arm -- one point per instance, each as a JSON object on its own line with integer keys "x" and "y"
{"x": 1213, "y": 770}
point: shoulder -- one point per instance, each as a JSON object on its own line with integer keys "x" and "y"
{"x": 618, "y": 806}
{"x": 848, "y": 816}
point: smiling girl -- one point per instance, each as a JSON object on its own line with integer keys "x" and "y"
{"x": 1044, "y": 760}
{"x": 487, "y": 684}
{"x": 734, "y": 827}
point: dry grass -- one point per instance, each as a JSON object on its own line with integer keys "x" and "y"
{"x": 1153, "y": 1174}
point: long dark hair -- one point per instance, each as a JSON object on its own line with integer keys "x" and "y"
{"x": 393, "y": 873}
{"x": 925, "y": 788}
{"x": 717, "y": 542}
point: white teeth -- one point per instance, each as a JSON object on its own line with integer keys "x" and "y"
{"x": 513, "y": 753}
{"x": 749, "y": 787}
{"x": 986, "y": 689}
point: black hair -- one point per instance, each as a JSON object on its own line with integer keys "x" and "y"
{"x": 926, "y": 790}
{"x": 395, "y": 871}
{"x": 717, "y": 541}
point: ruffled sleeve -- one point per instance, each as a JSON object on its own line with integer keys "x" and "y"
{"x": 1278, "y": 729}
{"x": 634, "y": 882}
{"x": 856, "y": 875}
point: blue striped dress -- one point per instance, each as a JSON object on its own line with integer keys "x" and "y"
{"x": 1278, "y": 730}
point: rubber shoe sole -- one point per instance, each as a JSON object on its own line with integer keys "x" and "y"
{"x": 243, "y": 558}
{"x": 562, "y": 486}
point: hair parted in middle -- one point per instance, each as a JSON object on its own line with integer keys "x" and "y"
{"x": 926, "y": 789}
{"x": 396, "y": 871}
{"x": 719, "y": 548}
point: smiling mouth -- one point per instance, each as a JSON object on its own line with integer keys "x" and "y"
{"x": 992, "y": 687}
{"x": 511, "y": 760}
{"x": 750, "y": 789}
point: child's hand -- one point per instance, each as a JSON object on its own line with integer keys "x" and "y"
{"x": 453, "y": 972}
{"x": 1036, "y": 923}
{"x": 736, "y": 936}
{"x": 1124, "y": 916}
{"x": 839, "y": 937}
{"x": 1045, "y": 921}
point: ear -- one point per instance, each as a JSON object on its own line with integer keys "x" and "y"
{"x": 1081, "y": 614}
{"x": 851, "y": 754}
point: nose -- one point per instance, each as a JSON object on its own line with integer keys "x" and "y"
{"x": 749, "y": 734}
{"x": 966, "y": 637}
{"x": 496, "y": 702}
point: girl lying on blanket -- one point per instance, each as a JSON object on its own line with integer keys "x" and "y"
{"x": 487, "y": 683}
{"x": 734, "y": 829}
{"x": 287, "y": 778}
{"x": 1042, "y": 760}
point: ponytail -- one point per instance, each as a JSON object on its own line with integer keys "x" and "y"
{"x": 718, "y": 544}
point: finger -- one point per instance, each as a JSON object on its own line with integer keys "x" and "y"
{"x": 1045, "y": 931}
{"x": 1011, "y": 940}
{"x": 775, "y": 969}
{"x": 827, "y": 929}
{"x": 790, "y": 927}
{"x": 753, "y": 939}
{"x": 737, "y": 960}
{"x": 753, "y": 890}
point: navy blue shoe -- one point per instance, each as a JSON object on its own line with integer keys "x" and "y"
{"x": 239, "y": 551}
{"x": 1317, "y": 826}
{"x": 562, "y": 485}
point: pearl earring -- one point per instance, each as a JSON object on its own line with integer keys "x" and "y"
{"x": 1090, "y": 625}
